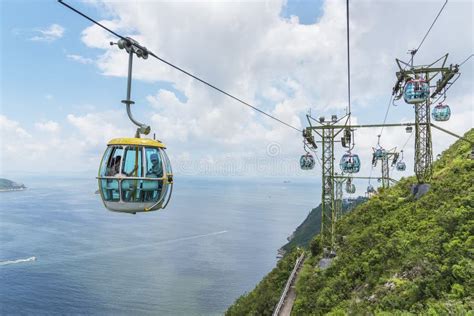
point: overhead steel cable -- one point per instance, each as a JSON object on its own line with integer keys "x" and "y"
{"x": 181, "y": 69}
{"x": 429, "y": 30}
{"x": 469, "y": 57}
{"x": 222, "y": 91}
{"x": 408, "y": 139}
{"x": 348, "y": 63}
{"x": 386, "y": 114}
{"x": 91, "y": 19}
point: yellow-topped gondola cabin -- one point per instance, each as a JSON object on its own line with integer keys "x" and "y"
{"x": 135, "y": 175}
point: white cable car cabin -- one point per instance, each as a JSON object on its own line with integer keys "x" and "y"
{"x": 416, "y": 91}
{"x": 135, "y": 175}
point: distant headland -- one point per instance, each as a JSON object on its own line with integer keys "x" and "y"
{"x": 8, "y": 185}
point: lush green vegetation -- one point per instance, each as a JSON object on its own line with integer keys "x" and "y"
{"x": 396, "y": 255}
{"x": 311, "y": 226}
{"x": 263, "y": 299}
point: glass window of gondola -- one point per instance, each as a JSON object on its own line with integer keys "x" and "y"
{"x": 167, "y": 162}
{"x": 132, "y": 168}
{"x": 154, "y": 165}
{"x": 110, "y": 167}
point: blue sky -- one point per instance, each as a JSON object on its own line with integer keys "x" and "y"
{"x": 257, "y": 51}
{"x": 42, "y": 68}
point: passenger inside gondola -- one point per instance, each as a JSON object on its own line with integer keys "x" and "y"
{"x": 156, "y": 169}
{"x": 152, "y": 188}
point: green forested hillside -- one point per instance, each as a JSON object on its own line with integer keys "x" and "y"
{"x": 262, "y": 299}
{"x": 311, "y": 226}
{"x": 396, "y": 255}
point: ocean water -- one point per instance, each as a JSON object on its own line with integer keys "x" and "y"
{"x": 61, "y": 252}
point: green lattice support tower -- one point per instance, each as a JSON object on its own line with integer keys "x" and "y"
{"x": 328, "y": 131}
{"x": 384, "y": 162}
{"x": 327, "y": 194}
{"x": 385, "y": 172}
{"x": 423, "y": 146}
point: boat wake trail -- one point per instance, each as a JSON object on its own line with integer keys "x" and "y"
{"x": 7, "y": 262}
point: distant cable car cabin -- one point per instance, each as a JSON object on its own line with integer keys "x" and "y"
{"x": 370, "y": 189}
{"x": 401, "y": 166}
{"x": 350, "y": 163}
{"x": 350, "y": 187}
{"x": 416, "y": 91}
{"x": 307, "y": 162}
{"x": 135, "y": 175}
{"x": 379, "y": 153}
{"x": 441, "y": 112}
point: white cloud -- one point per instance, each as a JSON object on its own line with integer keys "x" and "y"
{"x": 48, "y": 126}
{"x": 80, "y": 59}
{"x": 11, "y": 129}
{"x": 276, "y": 64}
{"x": 48, "y": 34}
{"x": 78, "y": 147}
{"x": 96, "y": 129}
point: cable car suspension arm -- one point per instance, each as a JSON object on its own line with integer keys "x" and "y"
{"x": 142, "y": 128}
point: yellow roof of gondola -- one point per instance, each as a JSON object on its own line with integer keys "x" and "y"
{"x": 136, "y": 141}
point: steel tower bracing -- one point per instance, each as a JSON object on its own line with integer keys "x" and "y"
{"x": 384, "y": 162}
{"x": 328, "y": 214}
{"x": 423, "y": 145}
{"x": 330, "y": 210}
{"x": 385, "y": 173}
